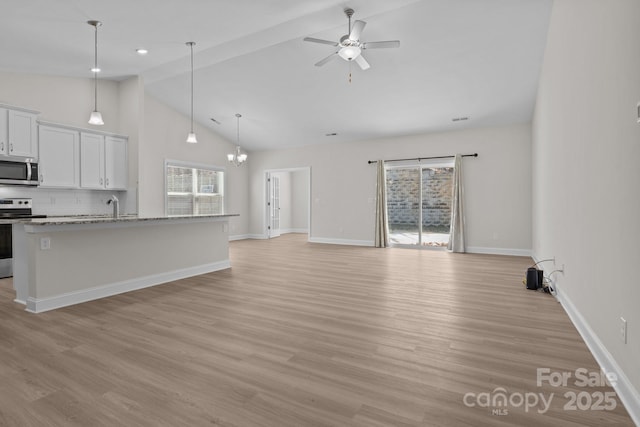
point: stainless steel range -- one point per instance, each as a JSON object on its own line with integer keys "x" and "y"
{"x": 11, "y": 209}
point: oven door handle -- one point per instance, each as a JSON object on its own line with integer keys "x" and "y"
{"x": 28, "y": 170}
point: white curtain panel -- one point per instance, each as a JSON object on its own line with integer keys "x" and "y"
{"x": 456, "y": 237}
{"x": 382, "y": 229}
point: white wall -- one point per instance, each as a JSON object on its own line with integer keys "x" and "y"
{"x": 498, "y": 184}
{"x": 64, "y": 100}
{"x": 586, "y": 149}
{"x": 130, "y": 115}
{"x": 300, "y": 201}
{"x": 165, "y": 132}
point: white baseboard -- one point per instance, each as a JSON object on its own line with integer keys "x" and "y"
{"x": 294, "y": 230}
{"x": 341, "y": 241}
{"x": 257, "y": 236}
{"x": 498, "y": 251}
{"x": 239, "y": 237}
{"x": 627, "y": 393}
{"x": 39, "y": 305}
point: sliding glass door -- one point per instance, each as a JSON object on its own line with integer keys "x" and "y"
{"x": 403, "y": 205}
{"x": 419, "y": 204}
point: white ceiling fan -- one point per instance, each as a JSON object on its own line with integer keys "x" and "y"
{"x": 350, "y": 47}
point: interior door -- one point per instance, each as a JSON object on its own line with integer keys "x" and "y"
{"x": 273, "y": 206}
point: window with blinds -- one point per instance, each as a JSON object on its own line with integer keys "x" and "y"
{"x": 194, "y": 190}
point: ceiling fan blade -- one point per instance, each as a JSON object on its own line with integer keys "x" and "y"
{"x": 362, "y": 62}
{"x": 380, "y": 45}
{"x": 311, "y": 39}
{"x": 356, "y": 30}
{"x": 327, "y": 59}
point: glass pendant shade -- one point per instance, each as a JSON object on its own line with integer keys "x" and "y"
{"x": 96, "y": 119}
{"x": 349, "y": 52}
{"x": 191, "y": 138}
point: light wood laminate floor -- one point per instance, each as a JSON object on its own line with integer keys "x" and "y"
{"x": 301, "y": 334}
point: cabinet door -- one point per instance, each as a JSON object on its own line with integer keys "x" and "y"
{"x": 4, "y": 132}
{"x": 116, "y": 163}
{"x": 59, "y": 157}
{"x": 22, "y": 134}
{"x": 91, "y": 160}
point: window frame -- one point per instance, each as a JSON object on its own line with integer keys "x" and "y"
{"x": 194, "y": 194}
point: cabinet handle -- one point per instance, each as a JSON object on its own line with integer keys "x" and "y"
{"x": 101, "y": 181}
{"x": 11, "y": 147}
{"x": 1, "y": 146}
{"x": 41, "y": 178}
{"x": 107, "y": 182}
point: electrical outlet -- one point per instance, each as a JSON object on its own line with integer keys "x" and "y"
{"x": 45, "y": 243}
{"x": 623, "y": 330}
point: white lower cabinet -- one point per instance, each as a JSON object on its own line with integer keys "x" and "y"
{"x": 59, "y": 157}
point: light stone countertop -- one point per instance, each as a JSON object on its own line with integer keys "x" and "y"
{"x": 101, "y": 219}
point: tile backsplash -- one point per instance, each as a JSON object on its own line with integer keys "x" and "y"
{"x": 54, "y": 202}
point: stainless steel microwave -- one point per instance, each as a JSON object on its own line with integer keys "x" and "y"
{"x": 22, "y": 172}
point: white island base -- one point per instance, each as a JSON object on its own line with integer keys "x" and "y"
{"x": 64, "y": 261}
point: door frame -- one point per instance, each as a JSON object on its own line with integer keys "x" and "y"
{"x": 420, "y": 165}
{"x": 270, "y": 208}
{"x": 266, "y": 217}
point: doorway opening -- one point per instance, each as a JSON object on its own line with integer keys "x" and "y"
{"x": 287, "y": 202}
{"x": 419, "y": 200}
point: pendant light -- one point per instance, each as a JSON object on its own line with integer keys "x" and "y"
{"x": 191, "y": 138}
{"x": 237, "y": 158}
{"x": 96, "y": 117}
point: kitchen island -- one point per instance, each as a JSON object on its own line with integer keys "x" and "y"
{"x": 69, "y": 260}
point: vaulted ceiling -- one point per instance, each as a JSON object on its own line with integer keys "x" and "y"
{"x": 479, "y": 59}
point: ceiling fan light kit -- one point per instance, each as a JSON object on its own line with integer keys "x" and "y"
{"x": 350, "y": 47}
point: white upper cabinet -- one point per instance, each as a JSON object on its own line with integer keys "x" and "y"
{"x": 103, "y": 162}
{"x": 4, "y": 130}
{"x": 59, "y": 162}
{"x": 115, "y": 163}
{"x": 91, "y": 161}
{"x": 18, "y": 134}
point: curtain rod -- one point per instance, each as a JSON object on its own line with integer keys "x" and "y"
{"x": 424, "y": 158}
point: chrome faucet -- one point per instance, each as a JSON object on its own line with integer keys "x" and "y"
{"x": 116, "y": 208}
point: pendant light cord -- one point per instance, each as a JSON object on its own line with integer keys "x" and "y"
{"x": 238, "y": 132}
{"x": 95, "y": 72}
{"x": 191, "y": 46}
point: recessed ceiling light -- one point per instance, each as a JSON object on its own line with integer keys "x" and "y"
{"x": 214, "y": 121}
{"x": 142, "y": 51}
{"x": 331, "y": 134}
